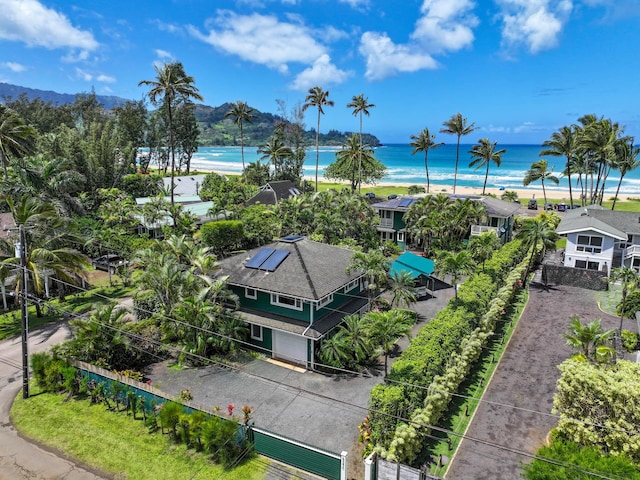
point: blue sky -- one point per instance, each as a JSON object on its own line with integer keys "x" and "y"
{"x": 519, "y": 69}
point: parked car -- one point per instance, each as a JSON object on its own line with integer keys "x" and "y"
{"x": 109, "y": 263}
{"x": 562, "y": 207}
{"x": 370, "y": 195}
{"x": 548, "y": 206}
{"x": 533, "y": 204}
{"x": 392, "y": 196}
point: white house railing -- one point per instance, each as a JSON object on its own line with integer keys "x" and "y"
{"x": 480, "y": 229}
{"x": 386, "y": 222}
{"x": 632, "y": 251}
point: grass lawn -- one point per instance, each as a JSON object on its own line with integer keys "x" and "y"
{"x": 609, "y": 299}
{"x": 115, "y": 443}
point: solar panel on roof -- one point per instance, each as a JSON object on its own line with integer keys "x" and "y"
{"x": 405, "y": 202}
{"x": 274, "y": 260}
{"x": 291, "y": 238}
{"x": 260, "y": 257}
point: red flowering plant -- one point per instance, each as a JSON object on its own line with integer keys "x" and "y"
{"x": 230, "y": 408}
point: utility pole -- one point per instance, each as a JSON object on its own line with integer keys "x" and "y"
{"x": 21, "y": 250}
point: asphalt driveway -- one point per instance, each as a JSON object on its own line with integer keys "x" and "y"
{"x": 525, "y": 378}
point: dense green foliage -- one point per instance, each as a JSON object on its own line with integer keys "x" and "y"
{"x": 570, "y": 461}
{"x": 597, "y": 405}
{"x": 223, "y": 235}
{"x": 442, "y": 352}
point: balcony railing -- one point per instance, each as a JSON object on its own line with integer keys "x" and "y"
{"x": 386, "y": 222}
{"x": 632, "y": 251}
{"x": 480, "y": 229}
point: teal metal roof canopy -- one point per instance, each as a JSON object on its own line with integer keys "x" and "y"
{"x": 414, "y": 264}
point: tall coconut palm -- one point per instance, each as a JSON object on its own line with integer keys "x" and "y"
{"x": 483, "y": 155}
{"x": 564, "y": 142}
{"x": 318, "y": 98}
{"x": 16, "y": 137}
{"x": 457, "y": 125}
{"x": 627, "y": 160}
{"x": 241, "y": 112}
{"x": 170, "y": 87}
{"x": 539, "y": 171}
{"x": 275, "y": 151}
{"x": 422, "y": 142}
{"x": 360, "y": 105}
{"x": 375, "y": 267}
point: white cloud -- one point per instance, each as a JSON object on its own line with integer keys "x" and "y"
{"x": 163, "y": 54}
{"x": 261, "y": 39}
{"x": 384, "y": 58}
{"x": 76, "y": 56}
{"x": 446, "y": 25}
{"x": 536, "y": 24}
{"x": 83, "y": 75}
{"x": 14, "y": 67}
{"x": 32, "y": 23}
{"x": 356, "y": 3}
{"x": 322, "y": 72}
{"x": 105, "y": 78}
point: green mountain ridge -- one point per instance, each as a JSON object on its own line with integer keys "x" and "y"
{"x": 215, "y": 129}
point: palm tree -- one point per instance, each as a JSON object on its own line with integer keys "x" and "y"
{"x": 564, "y": 142}
{"x": 16, "y": 137}
{"x": 538, "y": 171}
{"x": 627, "y": 160}
{"x": 482, "y": 246}
{"x": 483, "y": 154}
{"x": 349, "y": 161}
{"x": 385, "y": 328}
{"x": 241, "y": 112}
{"x": 456, "y": 265}
{"x": 275, "y": 151}
{"x": 360, "y": 105}
{"x": 317, "y": 97}
{"x": 536, "y": 232}
{"x": 589, "y": 339}
{"x": 401, "y": 286}
{"x": 630, "y": 280}
{"x": 422, "y": 143}
{"x": 457, "y": 125}
{"x": 375, "y": 267}
{"x": 170, "y": 87}
{"x": 509, "y": 196}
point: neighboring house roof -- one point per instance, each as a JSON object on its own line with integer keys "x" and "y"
{"x": 618, "y": 225}
{"x": 6, "y": 223}
{"x": 310, "y": 270}
{"x": 273, "y": 192}
{"x": 185, "y": 186}
{"x": 495, "y": 207}
{"x": 414, "y": 264}
{"x": 199, "y": 209}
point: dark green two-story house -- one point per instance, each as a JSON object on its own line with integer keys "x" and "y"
{"x": 293, "y": 293}
{"x": 392, "y": 227}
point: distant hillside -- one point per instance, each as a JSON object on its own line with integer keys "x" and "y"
{"x": 12, "y": 92}
{"x": 214, "y": 127}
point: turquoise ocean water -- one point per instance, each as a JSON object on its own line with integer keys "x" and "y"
{"x": 402, "y": 167}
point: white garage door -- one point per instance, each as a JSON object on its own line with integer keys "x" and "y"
{"x": 289, "y": 347}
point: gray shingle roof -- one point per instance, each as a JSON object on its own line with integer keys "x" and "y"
{"x": 495, "y": 207}
{"x": 312, "y": 270}
{"x": 272, "y": 193}
{"x": 613, "y": 223}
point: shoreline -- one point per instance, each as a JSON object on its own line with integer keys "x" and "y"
{"x": 524, "y": 194}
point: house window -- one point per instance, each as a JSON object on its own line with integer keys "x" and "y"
{"x": 401, "y": 236}
{"x": 250, "y": 293}
{"x": 587, "y": 265}
{"x": 351, "y": 285}
{"x": 285, "y": 301}
{"x": 589, "y": 244}
{"x": 385, "y": 214}
{"x": 256, "y": 332}
{"x": 495, "y": 221}
{"x": 325, "y": 301}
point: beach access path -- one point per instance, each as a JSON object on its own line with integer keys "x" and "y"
{"x": 515, "y": 413}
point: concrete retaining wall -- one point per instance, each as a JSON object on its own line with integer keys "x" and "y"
{"x": 574, "y": 277}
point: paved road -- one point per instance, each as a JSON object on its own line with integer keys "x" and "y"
{"x": 20, "y": 459}
{"x": 526, "y": 377}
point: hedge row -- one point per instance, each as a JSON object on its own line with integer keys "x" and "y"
{"x": 408, "y": 438}
{"x": 433, "y": 348}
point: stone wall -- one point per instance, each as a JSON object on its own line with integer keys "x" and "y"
{"x": 574, "y": 277}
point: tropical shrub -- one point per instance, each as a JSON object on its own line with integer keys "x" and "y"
{"x": 630, "y": 341}
{"x": 145, "y": 305}
{"x": 223, "y": 235}
{"x": 597, "y": 405}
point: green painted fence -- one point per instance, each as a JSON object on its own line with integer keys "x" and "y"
{"x": 305, "y": 457}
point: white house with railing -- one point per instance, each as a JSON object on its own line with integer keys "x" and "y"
{"x": 600, "y": 239}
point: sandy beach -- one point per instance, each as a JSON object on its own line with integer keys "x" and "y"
{"x": 524, "y": 194}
